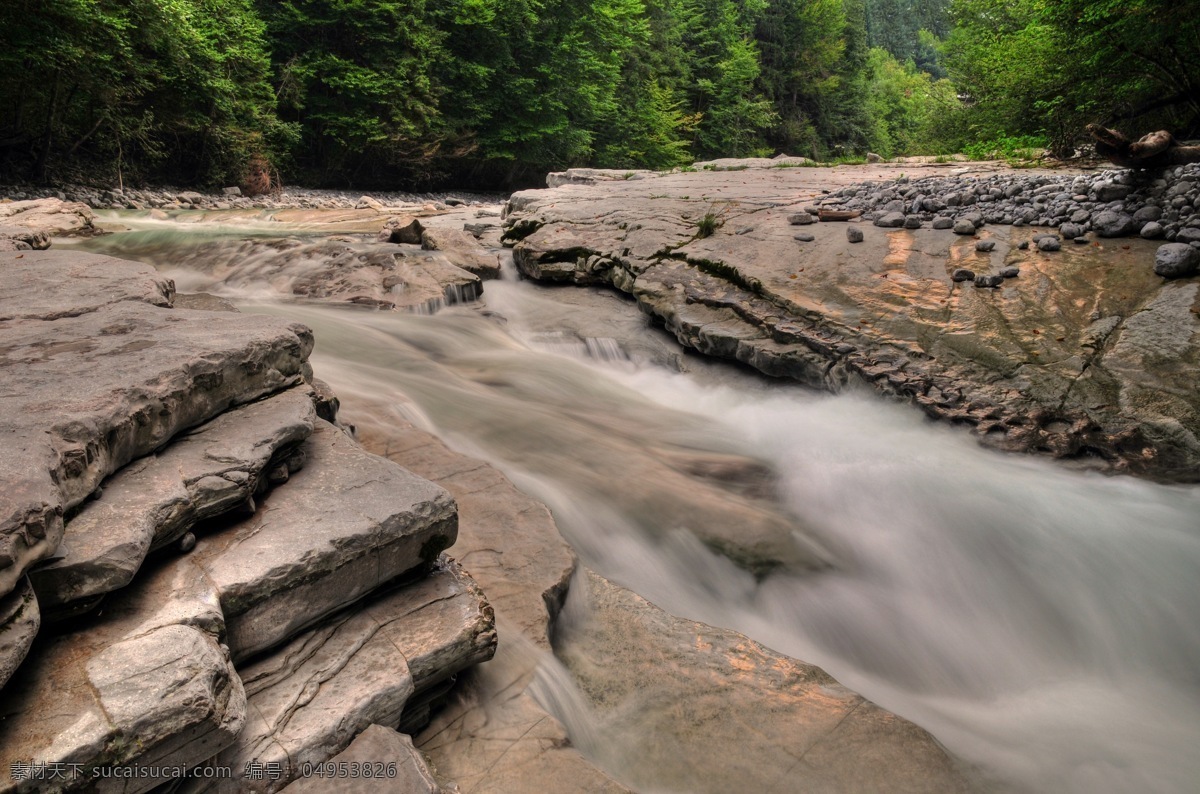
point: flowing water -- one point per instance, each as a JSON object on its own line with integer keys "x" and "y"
{"x": 1041, "y": 623}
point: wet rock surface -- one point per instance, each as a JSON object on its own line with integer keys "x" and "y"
{"x": 1015, "y": 362}
{"x": 756, "y": 712}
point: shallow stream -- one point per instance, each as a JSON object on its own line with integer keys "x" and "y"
{"x": 1040, "y": 622}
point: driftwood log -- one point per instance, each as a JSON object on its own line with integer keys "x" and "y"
{"x": 1156, "y": 150}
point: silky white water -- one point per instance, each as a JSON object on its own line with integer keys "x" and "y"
{"x": 1041, "y": 623}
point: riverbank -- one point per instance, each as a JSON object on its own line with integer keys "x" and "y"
{"x": 1024, "y": 305}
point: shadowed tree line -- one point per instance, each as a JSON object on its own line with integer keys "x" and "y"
{"x": 496, "y": 92}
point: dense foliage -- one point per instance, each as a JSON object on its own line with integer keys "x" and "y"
{"x": 499, "y": 91}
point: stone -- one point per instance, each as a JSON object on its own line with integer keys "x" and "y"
{"x": 801, "y": 218}
{"x": 1070, "y": 231}
{"x": 20, "y": 619}
{"x": 232, "y": 191}
{"x": 402, "y": 229}
{"x": 463, "y": 250}
{"x": 989, "y": 281}
{"x": 368, "y": 203}
{"x": 874, "y": 158}
{"x": 151, "y": 503}
{"x": 309, "y": 699}
{"x": 47, "y": 217}
{"x": 1023, "y": 245}
{"x": 1188, "y": 234}
{"x": 1109, "y": 191}
{"x": 191, "y": 197}
{"x": 1010, "y": 272}
{"x": 377, "y": 748}
{"x": 99, "y": 372}
{"x": 363, "y": 520}
{"x": 890, "y": 220}
{"x": 1152, "y": 230}
{"x": 912, "y": 222}
{"x": 1176, "y": 260}
{"x": 985, "y": 246}
{"x": 1147, "y": 214}
{"x": 854, "y": 234}
{"x": 591, "y": 176}
{"x": 964, "y": 226}
{"x": 147, "y": 684}
{"x": 647, "y": 673}
{"x": 804, "y": 237}
{"x": 1113, "y": 224}
{"x": 24, "y": 239}
{"x": 962, "y": 274}
{"x": 1049, "y": 243}
{"x": 942, "y": 222}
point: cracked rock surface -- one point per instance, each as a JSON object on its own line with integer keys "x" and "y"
{"x": 98, "y": 371}
{"x": 1030, "y": 366}
{"x": 152, "y": 502}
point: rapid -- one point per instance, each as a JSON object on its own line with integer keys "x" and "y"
{"x": 1040, "y": 622}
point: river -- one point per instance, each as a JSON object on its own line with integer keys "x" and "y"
{"x": 1040, "y": 622}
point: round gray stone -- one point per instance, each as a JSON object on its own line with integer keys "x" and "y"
{"x": 854, "y": 234}
{"x": 1176, "y": 260}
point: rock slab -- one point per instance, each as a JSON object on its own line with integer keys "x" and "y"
{"x": 99, "y": 371}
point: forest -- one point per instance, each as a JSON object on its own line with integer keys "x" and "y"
{"x": 494, "y": 93}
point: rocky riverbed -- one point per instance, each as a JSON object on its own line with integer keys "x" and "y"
{"x": 1030, "y": 306}
{"x": 202, "y": 568}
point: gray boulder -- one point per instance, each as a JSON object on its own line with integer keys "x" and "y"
{"x": 943, "y": 222}
{"x": 1113, "y": 224}
{"x": 463, "y": 250}
{"x": 401, "y": 229}
{"x": 1176, "y": 260}
{"x": 1070, "y": 231}
{"x": 801, "y": 219}
{"x": 964, "y": 226}
{"x": 1153, "y": 230}
{"x": 854, "y": 234}
{"x": 890, "y": 220}
{"x": 1049, "y": 243}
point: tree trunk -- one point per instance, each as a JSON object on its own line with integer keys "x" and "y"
{"x": 1156, "y": 150}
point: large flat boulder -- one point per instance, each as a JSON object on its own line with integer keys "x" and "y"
{"x": 106, "y": 374}
{"x": 207, "y": 471}
{"x": 148, "y": 683}
{"x": 311, "y": 697}
{"x": 342, "y": 526}
{"x": 687, "y": 707}
{"x": 1037, "y": 365}
{"x": 48, "y": 216}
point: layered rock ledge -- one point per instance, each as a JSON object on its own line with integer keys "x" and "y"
{"x": 268, "y": 589}
{"x": 1086, "y": 355}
